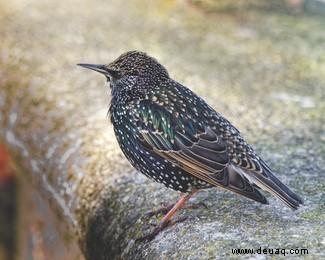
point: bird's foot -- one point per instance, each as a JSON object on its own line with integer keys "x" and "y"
{"x": 159, "y": 227}
{"x": 167, "y": 219}
{"x": 165, "y": 209}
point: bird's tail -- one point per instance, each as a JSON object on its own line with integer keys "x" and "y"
{"x": 269, "y": 182}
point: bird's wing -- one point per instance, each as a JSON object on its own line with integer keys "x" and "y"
{"x": 202, "y": 155}
{"x": 194, "y": 147}
{"x": 188, "y": 144}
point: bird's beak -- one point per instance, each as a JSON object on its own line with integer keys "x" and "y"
{"x": 96, "y": 67}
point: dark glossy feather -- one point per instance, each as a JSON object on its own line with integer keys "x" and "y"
{"x": 207, "y": 152}
{"x": 200, "y": 153}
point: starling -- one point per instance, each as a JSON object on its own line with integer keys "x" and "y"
{"x": 174, "y": 137}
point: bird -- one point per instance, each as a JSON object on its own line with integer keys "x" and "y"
{"x": 174, "y": 137}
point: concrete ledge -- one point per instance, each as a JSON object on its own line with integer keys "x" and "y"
{"x": 53, "y": 122}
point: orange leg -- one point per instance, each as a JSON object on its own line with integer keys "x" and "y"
{"x": 164, "y": 210}
{"x": 167, "y": 218}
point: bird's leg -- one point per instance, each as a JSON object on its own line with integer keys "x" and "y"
{"x": 167, "y": 218}
{"x": 165, "y": 209}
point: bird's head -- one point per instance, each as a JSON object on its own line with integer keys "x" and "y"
{"x": 132, "y": 71}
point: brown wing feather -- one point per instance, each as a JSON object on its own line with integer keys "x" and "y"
{"x": 207, "y": 159}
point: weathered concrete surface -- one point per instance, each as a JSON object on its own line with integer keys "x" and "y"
{"x": 262, "y": 68}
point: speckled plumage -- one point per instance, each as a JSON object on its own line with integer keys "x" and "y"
{"x": 174, "y": 137}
